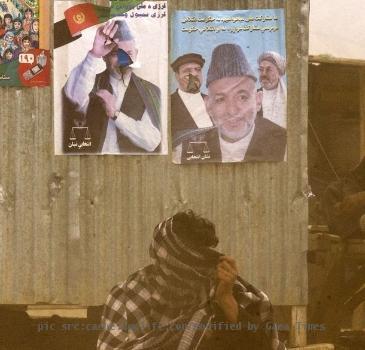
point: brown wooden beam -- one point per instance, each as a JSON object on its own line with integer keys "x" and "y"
{"x": 44, "y": 39}
{"x": 298, "y": 329}
{"x": 336, "y": 60}
{"x": 362, "y": 112}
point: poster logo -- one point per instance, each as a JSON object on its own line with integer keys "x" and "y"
{"x": 198, "y": 150}
{"x": 79, "y": 18}
{"x": 80, "y": 138}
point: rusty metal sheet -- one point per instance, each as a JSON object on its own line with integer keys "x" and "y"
{"x": 72, "y": 227}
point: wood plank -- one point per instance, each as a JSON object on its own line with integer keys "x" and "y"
{"x": 335, "y": 60}
{"x": 315, "y": 347}
{"x": 298, "y": 326}
{"x": 44, "y": 19}
{"x": 362, "y": 112}
{"x": 358, "y": 320}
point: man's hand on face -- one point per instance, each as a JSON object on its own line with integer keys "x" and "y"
{"x": 104, "y": 42}
{"x": 226, "y": 276}
{"x": 193, "y": 84}
{"x": 108, "y": 102}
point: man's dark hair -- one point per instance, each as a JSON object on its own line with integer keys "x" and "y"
{"x": 194, "y": 230}
{"x": 17, "y": 20}
{"x": 25, "y": 38}
{"x": 28, "y": 10}
{"x": 8, "y": 15}
{"x": 6, "y": 51}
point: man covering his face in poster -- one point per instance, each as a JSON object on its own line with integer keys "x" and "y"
{"x": 188, "y": 111}
{"x": 187, "y": 104}
{"x": 272, "y": 70}
{"x": 190, "y": 297}
{"x": 120, "y": 110}
{"x": 233, "y": 103}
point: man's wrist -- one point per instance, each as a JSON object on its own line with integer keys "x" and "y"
{"x": 226, "y": 299}
{"x": 229, "y": 306}
{"x": 91, "y": 62}
{"x": 94, "y": 54}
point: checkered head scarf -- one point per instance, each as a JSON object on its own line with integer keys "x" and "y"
{"x": 181, "y": 269}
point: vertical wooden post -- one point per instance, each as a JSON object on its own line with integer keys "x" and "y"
{"x": 298, "y": 329}
{"x": 358, "y": 319}
{"x": 362, "y": 112}
{"x": 44, "y": 39}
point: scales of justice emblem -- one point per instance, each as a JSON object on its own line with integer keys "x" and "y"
{"x": 80, "y": 137}
{"x": 198, "y": 150}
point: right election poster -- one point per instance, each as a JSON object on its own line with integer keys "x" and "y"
{"x": 228, "y": 89}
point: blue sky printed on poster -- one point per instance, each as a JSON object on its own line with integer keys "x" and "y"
{"x": 256, "y": 31}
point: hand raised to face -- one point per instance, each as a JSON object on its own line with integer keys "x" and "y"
{"x": 226, "y": 276}
{"x": 104, "y": 41}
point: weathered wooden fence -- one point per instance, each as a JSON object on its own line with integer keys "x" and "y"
{"x": 73, "y": 226}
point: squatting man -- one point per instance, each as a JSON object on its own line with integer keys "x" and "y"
{"x": 186, "y": 298}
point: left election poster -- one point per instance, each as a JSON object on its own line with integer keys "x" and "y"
{"x": 24, "y": 50}
{"x": 110, "y": 78}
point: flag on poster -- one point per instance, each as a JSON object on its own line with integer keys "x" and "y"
{"x": 228, "y": 94}
{"x": 80, "y": 17}
{"x": 22, "y": 62}
{"x": 110, "y": 97}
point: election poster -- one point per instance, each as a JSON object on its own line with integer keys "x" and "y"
{"x": 228, "y": 89}
{"x": 110, "y": 78}
{"x": 23, "y": 61}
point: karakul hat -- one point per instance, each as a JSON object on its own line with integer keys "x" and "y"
{"x": 228, "y": 60}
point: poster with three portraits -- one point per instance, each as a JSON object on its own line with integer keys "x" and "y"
{"x": 228, "y": 91}
{"x": 221, "y": 91}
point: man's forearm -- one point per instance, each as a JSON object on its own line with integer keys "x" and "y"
{"x": 81, "y": 81}
{"x": 229, "y": 307}
{"x": 141, "y": 132}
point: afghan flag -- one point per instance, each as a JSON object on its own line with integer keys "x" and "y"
{"x": 83, "y": 16}
{"x": 80, "y": 17}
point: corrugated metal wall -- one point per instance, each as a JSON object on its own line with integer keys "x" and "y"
{"x": 71, "y": 227}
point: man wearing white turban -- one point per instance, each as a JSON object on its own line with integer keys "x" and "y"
{"x": 272, "y": 70}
